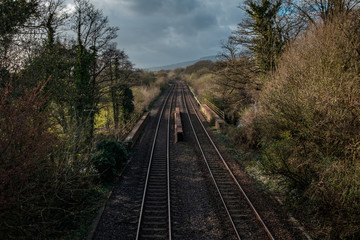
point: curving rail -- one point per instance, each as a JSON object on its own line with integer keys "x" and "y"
{"x": 232, "y": 195}
{"x": 155, "y": 212}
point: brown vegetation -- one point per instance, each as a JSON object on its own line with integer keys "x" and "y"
{"x": 309, "y": 121}
{"x": 151, "y": 87}
{"x": 43, "y": 190}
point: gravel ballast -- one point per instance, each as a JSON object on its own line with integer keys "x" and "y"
{"x": 197, "y": 211}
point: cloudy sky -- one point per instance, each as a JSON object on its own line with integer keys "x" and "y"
{"x": 161, "y": 32}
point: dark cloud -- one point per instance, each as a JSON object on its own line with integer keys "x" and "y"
{"x": 159, "y": 32}
{"x": 146, "y": 7}
{"x": 184, "y": 6}
{"x": 167, "y": 7}
{"x": 204, "y": 20}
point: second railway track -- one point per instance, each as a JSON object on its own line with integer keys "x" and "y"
{"x": 244, "y": 218}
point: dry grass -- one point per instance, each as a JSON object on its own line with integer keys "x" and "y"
{"x": 201, "y": 83}
{"x": 144, "y": 95}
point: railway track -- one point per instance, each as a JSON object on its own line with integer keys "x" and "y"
{"x": 155, "y": 213}
{"x": 163, "y": 199}
{"x": 155, "y": 220}
{"x": 244, "y": 218}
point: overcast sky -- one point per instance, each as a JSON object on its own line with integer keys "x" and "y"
{"x": 161, "y": 32}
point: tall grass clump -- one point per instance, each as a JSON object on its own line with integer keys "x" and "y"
{"x": 310, "y": 123}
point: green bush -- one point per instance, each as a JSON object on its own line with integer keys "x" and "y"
{"x": 109, "y": 158}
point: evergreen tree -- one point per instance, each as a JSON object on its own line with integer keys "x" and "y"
{"x": 126, "y": 103}
{"x": 13, "y": 15}
{"x": 261, "y": 33}
{"x": 267, "y": 42}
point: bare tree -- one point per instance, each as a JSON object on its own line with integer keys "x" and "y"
{"x": 53, "y": 17}
{"x": 235, "y": 76}
{"x": 314, "y": 10}
{"x": 93, "y": 38}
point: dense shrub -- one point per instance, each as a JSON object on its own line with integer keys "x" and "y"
{"x": 246, "y": 135}
{"x": 44, "y": 190}
{"x": 109, "y": 158}
{"x": 309, "y": 118}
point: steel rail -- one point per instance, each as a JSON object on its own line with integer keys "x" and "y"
{"x": 168, "y": 165}
{"x": 212, "y": 176}
{"x": 232, "y": 176}
{"x": 149, "y": 166}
